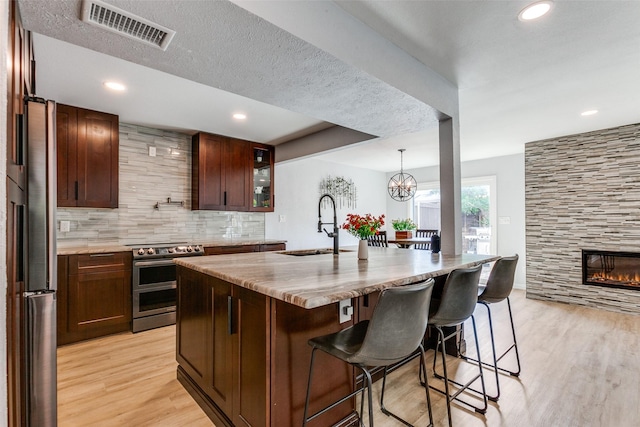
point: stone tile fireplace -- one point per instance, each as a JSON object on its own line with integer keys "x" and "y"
{"x": 582, "y": 196}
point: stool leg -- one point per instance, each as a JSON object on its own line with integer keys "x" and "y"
{"x": 493, "y": 350}
{"x": 369, "y": 394}
{"x": 306, "y": 402}
{"x": 515, "y": 343}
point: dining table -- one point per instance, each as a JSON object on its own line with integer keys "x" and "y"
{"x": 408, "y": 243}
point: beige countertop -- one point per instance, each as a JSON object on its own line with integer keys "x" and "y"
{"x": 317, "y": 280}
{"x": 80, "y": 250}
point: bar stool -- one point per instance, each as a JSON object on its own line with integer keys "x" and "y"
{"x": 395, "y": 332}
{"x": 498, "y": 288}
{"x": 458, "y": 301}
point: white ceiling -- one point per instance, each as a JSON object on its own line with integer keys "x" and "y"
{"x": 517, "y": 82}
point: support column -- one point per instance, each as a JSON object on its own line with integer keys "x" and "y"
{"x": 450, "y": 182}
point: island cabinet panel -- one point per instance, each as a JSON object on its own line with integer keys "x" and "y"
{"x": 94, "y": 296}
{"x": 293, "y": 326}
{"x": 251, "y": 356}
{"x": 220, "y": 173}
{"x": 87, "y": 158}
{"x": 222, "y": 333}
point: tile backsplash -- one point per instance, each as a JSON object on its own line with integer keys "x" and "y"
{"x": 144, "y": 181}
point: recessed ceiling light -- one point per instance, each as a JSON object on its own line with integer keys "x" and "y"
{"x": 589, "y": 113}
{"x": 239, "y": 116}
{"x": 535, "y": 10}
{"x": 115, "y": 86}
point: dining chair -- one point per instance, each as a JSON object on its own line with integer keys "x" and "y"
{"x": 457, "y": 303}
{"x": 379, "y": 239}
{"x": 498, "y": 288}
{"x": 394, "y": 333}
{"x": 424, "y": 233}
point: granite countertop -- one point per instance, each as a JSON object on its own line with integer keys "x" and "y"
{"x": 81, "y": 250}
{"x": 317, "y": 280}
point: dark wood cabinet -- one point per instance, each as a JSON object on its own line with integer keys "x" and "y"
{"x": 220, "y": 179}
{"x": 266, "y": 247}
{"x": 88, "y": 150}
{"x": 230, "y": 174}
{"x": 20, "y": 81}
{"x": 94, "y": 295}
{"x": 214, "y": 346}
{"x": 262, "y": 177}
{"x": 241, "y": 249}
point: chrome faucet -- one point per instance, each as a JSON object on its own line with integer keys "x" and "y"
{"x": 334, "y": 235}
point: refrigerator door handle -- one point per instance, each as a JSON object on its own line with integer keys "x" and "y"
{"x": 41, "y": 360}
{"x": 52, "y": 159}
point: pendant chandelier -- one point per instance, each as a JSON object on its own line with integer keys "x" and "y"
{"x": 402, "y": 186}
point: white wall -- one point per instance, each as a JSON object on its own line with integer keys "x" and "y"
{"x": 509, "y": 173}
{"x": 297, "y": 193}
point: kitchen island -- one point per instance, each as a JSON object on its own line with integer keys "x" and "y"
{"x": 243, "y": 323}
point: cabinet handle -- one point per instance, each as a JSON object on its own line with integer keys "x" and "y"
{"x": 76, "y": 190}
{"x": 225, "y": 199}
{"x": 100, "y": 255}
{"x": 230, "y": 315}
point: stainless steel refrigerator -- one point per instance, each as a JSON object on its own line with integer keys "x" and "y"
{"x": 39, "y": 382}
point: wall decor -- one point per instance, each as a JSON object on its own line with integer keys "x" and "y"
{"x": 343, "y": 191}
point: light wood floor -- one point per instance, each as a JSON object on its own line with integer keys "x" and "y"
{"x": 580, "y": 367}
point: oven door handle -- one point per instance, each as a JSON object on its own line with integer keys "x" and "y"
{"x": 153, "y": 263}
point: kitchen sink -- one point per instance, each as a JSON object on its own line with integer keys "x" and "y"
{"x": 308, "y": 252}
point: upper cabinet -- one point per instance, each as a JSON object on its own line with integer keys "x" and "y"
{"x": 262, "y": 177}
{"x": 87, "y": 158}
{"x": 226, "y": 174}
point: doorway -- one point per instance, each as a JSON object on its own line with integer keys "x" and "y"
{"x": 478, "y": 208}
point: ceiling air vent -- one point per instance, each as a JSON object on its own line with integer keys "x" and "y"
{"x": 122, "y": 22}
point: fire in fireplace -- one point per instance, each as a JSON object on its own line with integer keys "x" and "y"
{"x": 612, "y": 269}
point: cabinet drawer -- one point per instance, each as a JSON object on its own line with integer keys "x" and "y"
{"x": 239, "y": 249}
{"x": 97, "y": 263}
{"x": 273, "y": 247}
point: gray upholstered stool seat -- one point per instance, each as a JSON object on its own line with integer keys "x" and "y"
{"x": 394, "y": 333}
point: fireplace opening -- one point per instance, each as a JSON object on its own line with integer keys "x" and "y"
{"x": 612, "y": 269}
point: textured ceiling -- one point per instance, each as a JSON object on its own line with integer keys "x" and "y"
{"x": 221, "y": 45}
{"x": 376, "y": 66}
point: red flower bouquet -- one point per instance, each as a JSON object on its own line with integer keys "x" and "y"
{"x": 363, "y": 226}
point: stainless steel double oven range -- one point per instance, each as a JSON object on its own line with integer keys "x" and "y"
{"x": 154, "y": 283}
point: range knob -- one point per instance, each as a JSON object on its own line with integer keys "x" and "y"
{"x": 197, "y": 248}
{"x": 171, "y": 250}
{"x": 141, "y": 251}
{"x": 151, "y": 251}
{"x": 189, "y": 249}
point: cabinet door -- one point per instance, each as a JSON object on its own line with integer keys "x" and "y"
{"x": 207, "y": 186}
{"x": 220, "y": 173}
{"x": 98, "y": 141}
{"x": 223, "y": 250}
{"x": 262, "y": 198}
{"x": 251, "y": 357}
{"x": 203, "y": 336}
{"x": 94, "y": 293}
{"x": 236, "y": 175}
{"x": 67, "y": 160}
{"x": 99, "y": 301}
{"x": 88, "y": 155}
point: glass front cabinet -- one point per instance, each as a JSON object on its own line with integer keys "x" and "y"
{"x": 262, "y": 192}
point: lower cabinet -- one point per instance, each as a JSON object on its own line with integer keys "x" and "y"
{"x": 215, "y": 345}
{"x": 94, "y": 295}
{"x": 244, "y": 356}
{"x": 239, "y": 249}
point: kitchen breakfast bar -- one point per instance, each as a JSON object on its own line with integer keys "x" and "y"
{"x": 243, "y": 322}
